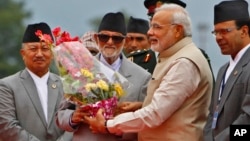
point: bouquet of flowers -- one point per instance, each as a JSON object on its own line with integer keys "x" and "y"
{"x": 86, "y": 81}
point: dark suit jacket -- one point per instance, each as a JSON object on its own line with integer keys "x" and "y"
{"x": 234, "y": 107}
{"x": 21, "y": 113}
{"x": 144, "y": 58}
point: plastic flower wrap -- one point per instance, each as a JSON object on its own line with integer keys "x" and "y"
{"x": 86, "y": 81}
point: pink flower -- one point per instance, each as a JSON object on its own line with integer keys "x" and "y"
{"x": 71, "y": 58}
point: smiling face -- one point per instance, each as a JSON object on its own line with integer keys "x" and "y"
{"x": 229, "y": 37}
{"x": 110, "y": 44}
{"x": 37, "y": 57}
{"x": 162, "y": 32}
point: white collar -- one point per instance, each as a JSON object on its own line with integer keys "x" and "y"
{"x": 115, "y": 66}
{"x": 43, "y": 79}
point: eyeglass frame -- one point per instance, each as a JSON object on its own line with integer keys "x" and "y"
{"x": 113, "y": 37}
{"x": 223, "y": 31}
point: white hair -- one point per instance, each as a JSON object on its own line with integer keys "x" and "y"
{"x": 180, "y": 16}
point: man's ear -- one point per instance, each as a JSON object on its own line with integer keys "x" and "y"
{"x": 179, "y": 31}
{"x": 127, "y": 40}
{"x": 244, "y": 31}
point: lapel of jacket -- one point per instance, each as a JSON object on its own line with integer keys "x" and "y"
{"x": 53, "y": 95}
{"x": 32, "y": 92}
{"x": 233, "y": 77}
{"x": 124, "y": 71}
{"x": 218, "y": 84}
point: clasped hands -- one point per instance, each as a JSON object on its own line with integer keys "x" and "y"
{"x": 97, "y": 124}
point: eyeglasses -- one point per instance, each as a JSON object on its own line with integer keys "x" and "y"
{"x": 223, "y": 31}
{"x": 115, "y": 38}
{"x": 138, "y": 39}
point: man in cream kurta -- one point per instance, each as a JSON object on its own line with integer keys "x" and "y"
{"x": 178, "y": 96}
{"x": 179, "y": 93}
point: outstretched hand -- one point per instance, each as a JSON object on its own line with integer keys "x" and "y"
{"x": 97, "y": 123}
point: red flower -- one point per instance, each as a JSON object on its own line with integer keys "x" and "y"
{"x": 63, "y": 36}
{"x": 57, "y": 32}
{"x": 60, "y": 37}
{"x": 44, "y": 37}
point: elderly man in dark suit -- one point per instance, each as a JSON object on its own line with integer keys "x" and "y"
{"x": 111, "y": 38}
{"x": 30, "y": 98}
{"x": 231, "y": 98}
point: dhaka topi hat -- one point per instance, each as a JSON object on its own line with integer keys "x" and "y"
{"x": 231, "y": 10}
{"x": 137, "y": 25}
{"x": 29, "y": 34}
{"x": 152, "y": 4}
{"x": 113, "y": 22}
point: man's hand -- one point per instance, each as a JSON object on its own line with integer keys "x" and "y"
{"x": 128, "y": 107}
{"x": 78, "y": 115}
{"x": 97, "y": 123}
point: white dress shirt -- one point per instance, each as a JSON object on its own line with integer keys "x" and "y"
{"x": 232, "y": 64}
{"x": 42, "y": 89}
{"x": 115, "y": 66}
{"x": 234, "y": 61}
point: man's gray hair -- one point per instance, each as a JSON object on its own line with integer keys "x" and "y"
{"x": 180, "y": 16}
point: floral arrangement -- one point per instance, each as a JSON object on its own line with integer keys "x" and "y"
{"x": 86, "y": 81}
